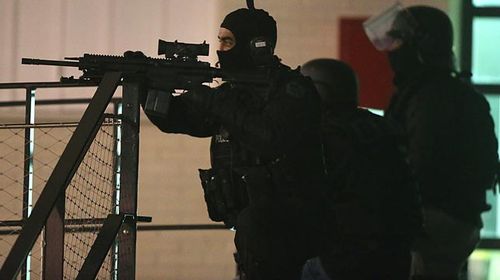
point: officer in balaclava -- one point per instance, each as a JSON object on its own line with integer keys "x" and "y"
{"x": 247, "y": 40}
{"x": 450, "y": 137}
{"x": 373, "y": 198}
{"x": 267, "y": 173}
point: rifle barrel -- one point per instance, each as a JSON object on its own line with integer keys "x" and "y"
{"x": 49, "y": 62}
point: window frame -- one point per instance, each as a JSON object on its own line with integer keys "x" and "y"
{"x": 468, "y": 13}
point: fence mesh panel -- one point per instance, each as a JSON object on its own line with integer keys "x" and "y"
{"x": 12, "y": 177}
{"x": 90, "y": 197}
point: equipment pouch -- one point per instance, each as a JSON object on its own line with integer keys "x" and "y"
{"x": 213, "y": 195}
{"x": 220, "y": 196}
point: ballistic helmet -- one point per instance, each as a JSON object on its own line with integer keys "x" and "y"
{"x": 335, "y": 82}
{"x": 425, "y": 31}
{"x": 434, "y": 34}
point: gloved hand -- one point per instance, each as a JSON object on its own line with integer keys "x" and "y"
{"x": 200, "y": 98}
{"x": 133, "y": 54}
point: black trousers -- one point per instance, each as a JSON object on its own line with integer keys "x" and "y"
{"x": 362, "y": 258}
{"x": 274, "y": 240}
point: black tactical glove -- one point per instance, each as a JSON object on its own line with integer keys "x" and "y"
{"x": 133, "y": 54}
{"x": 200, "y": 98}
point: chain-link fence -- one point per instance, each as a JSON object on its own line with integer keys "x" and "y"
{"x": 90, "y": 197}
{"x": 35, "y": 158}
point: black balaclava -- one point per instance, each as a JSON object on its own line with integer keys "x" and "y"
{"x": 246, "y": 25}
{"x": 335, "y": 82}
{"x": 404, "y": 62}
{"x": 430, "y": 46}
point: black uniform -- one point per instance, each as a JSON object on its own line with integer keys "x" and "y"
{"x": 373, "y": 197}
{"x": 453, "y": 153}
{"x": 451, "y": 140}
{"x": 265, "y": 143}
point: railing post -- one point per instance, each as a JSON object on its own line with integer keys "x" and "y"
{"x": 29, "y": 146}
{"x": 128, "y": 180}
{"x": 53, "y": 249}
{"x": 117, "y": 111}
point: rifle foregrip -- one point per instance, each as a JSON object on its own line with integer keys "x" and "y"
{"x": 157, "y": 102}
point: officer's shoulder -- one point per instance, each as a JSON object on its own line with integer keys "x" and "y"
{"x": 437, "y": 91}
{"x": 375, "y": 126}
{"x": 296, "y": 84}
{"x": 432, "y": 93}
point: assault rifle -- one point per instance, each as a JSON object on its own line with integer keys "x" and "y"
{"x": 179, "y": 70}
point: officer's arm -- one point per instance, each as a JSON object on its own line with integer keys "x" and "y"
{"x": 182, "y": 119}
{"x": 430, "y": 121}
{"x": 290, "y": 115}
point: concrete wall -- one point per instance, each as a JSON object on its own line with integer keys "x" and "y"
{"x": 169, "y": 189}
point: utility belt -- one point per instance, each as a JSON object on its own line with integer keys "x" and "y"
{"x": 228, "y": 191}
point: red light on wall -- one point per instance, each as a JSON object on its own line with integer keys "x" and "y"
{"x": 371, "y": 66}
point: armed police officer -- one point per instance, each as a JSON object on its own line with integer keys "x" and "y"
{"x": 267, "y": 169}
{"x": 372, "y": 195}
{"x": 450, "y": 135}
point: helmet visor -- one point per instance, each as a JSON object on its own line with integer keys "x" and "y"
{"x": 389, "y": 29}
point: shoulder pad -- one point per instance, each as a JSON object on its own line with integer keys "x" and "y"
{"x": 371, "y": 128}
{"x": 296, "y": 88}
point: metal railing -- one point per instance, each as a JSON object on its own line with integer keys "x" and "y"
{"x": 65, "y": 221}
{"x": 52, "y": 258}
